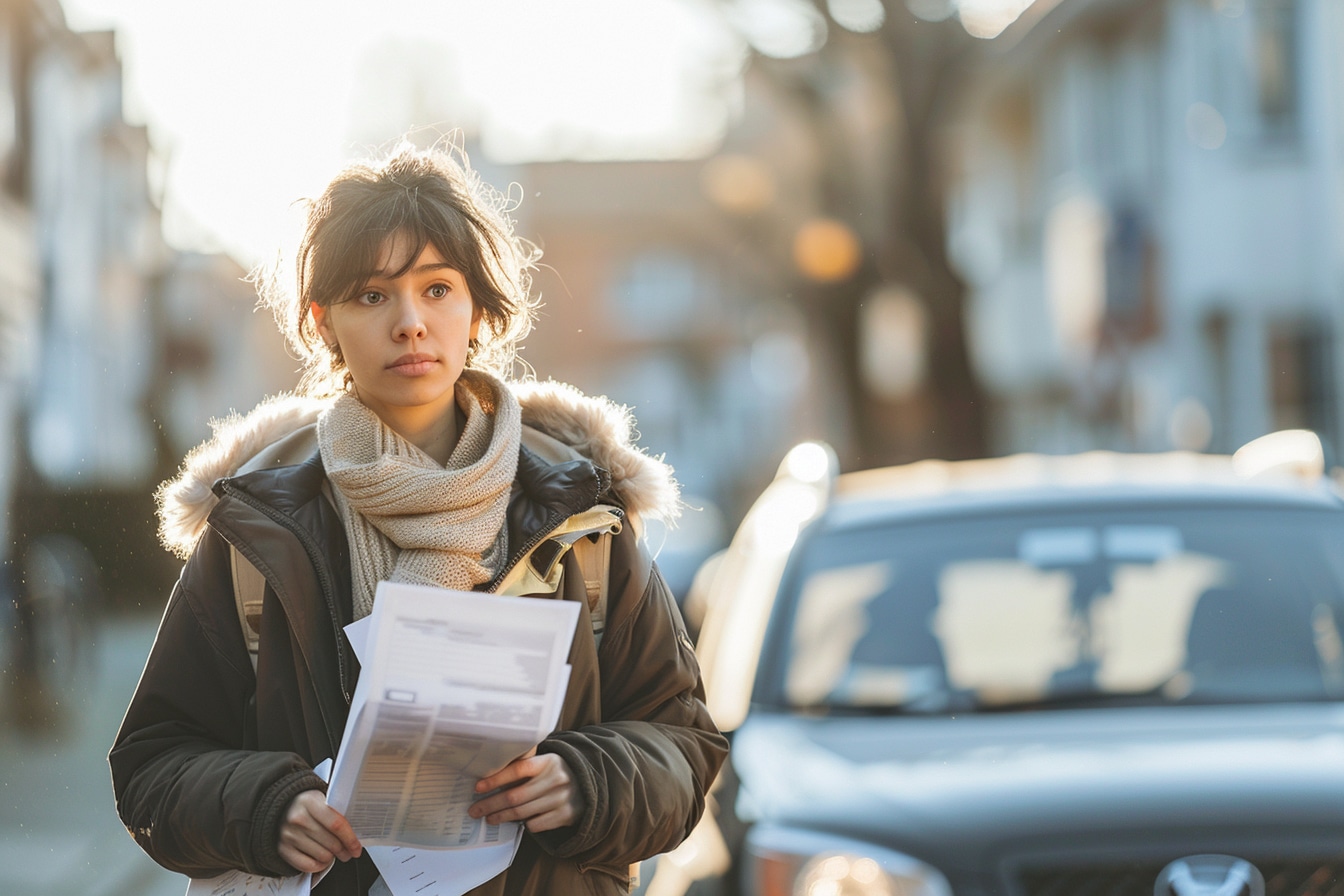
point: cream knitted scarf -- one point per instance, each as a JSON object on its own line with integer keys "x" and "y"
{"x": 407, "y": 518}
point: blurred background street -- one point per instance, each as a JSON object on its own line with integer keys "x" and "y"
{"x": 910, "y": 229}
{"x": 57, "y": 835}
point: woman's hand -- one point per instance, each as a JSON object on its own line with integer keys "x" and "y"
{"x": 537, "y": 790}
{"x": 313, "y": 834}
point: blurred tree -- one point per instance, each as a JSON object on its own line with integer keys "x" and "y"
{"x": 909, "y": 61}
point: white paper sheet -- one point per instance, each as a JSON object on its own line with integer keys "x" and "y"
{"x": 496, "y": 667}
{"x": 457, "y": 685}
{"x": 411, "y": 871}
{"x": 240, "y": 883}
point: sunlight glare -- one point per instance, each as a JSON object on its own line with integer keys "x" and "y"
{"x": 783, "y": 29}
{"x": 255, "y": 104}
{"x": 861, "y": 16}
{"x": 988, "y": 18}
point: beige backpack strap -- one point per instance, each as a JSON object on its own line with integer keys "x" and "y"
{"x": 593, "y": 554}
{"x": 249, "y": 589}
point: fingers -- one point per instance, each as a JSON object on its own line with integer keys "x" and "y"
{"x": 516, "y": 803}
{"x": 335, "y": 824}
{"x": 302, "y": 861}
{"x": 485, "y": 784}
{"x": 313, "y": 834}
{"x": 525, "y": 767}
{"x": 538, "y": 791}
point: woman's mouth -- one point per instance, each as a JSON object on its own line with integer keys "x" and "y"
{"x": 412, "y": 365}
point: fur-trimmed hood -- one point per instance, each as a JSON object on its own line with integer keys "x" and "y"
{"x": 560, "y": 415}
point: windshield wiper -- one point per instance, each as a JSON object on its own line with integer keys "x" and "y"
{"x": 1079, "y": 699}
{"x": 966, "y": 703}
{"x": 942, "y": 706}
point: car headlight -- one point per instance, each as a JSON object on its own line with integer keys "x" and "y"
{"x": 791, "y": 862}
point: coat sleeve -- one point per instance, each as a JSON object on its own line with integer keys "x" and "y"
{"x": 645, "y": 770}
{"x": 188, "y": 789}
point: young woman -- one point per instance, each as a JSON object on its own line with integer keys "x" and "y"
{"x": 408, "y": 458}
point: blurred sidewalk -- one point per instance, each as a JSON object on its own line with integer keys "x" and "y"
{"x": 59, "y": 831}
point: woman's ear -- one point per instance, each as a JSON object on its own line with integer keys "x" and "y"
{"x": 323, "y": 325}
{"x": 475, "y": 323}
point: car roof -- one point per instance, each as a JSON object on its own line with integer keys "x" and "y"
{"x": 1034, "y": 482}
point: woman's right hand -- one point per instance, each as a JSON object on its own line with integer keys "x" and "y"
{"x": 313, "y": 834}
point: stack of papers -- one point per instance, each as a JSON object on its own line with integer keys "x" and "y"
{"x": 454, "y": 686}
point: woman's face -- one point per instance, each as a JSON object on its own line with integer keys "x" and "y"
{"x": 404, "y": 339}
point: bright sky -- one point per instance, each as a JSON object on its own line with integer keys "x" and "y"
{"x": 255, "y": 103}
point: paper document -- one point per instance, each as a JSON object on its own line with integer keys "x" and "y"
{"x": 454, "y": 686}
{"x": 240, "y": 883}
{"x": 407, "y": 871}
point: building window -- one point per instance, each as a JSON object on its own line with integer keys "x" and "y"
{"x": 1274, "y": 58}
{"x": 1131, "y": 276}
{"x": 1302, "y": 376}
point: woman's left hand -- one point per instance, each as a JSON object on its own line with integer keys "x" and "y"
{"x": 537, "y": 790}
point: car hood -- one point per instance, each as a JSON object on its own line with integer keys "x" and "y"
{"x": 990, "y": 781}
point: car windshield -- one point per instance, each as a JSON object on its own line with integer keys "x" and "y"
{"x": 1223, "y": 604}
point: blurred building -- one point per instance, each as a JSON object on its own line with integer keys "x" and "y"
{"x": 19, "y": 311}
{"x": 652, "y": 297}
{"x": 99, "y": 250}
{"x": 647, "y": 300}
{"x": 1150, "y": 215}
{"x": 218, "y": 352}
{"x": 111, "y": 343}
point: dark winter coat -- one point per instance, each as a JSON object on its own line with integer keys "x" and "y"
{"x": 210, "y": 753}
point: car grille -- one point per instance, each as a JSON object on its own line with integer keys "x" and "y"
{"x": 1282, "y": 878}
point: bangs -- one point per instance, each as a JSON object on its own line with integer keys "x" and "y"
{"x": 385, "y": 240}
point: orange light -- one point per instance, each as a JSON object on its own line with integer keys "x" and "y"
{"x": 774, "y": 874}
{"x": 826, "y": 250}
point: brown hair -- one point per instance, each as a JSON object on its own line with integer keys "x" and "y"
{"x": 428, "y": 197}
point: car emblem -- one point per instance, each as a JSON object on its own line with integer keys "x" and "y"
{"x": 1210, "y": 875}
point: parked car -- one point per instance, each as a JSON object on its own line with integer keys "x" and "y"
{"x": 1033, "y": 676}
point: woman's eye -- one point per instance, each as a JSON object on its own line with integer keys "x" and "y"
{"x": 371, "y": 298}
{"x": 438, "y": 290}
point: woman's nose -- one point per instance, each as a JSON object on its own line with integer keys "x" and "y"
{"x": 410, "y": 322}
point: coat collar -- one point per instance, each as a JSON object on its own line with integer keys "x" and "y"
{"x": 562, "y": 426}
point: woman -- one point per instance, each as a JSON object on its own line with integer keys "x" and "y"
{"x": 407, "y": 458}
